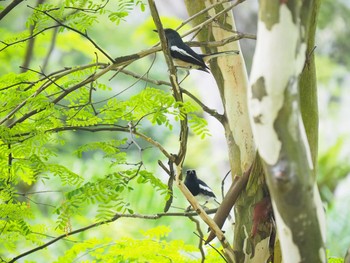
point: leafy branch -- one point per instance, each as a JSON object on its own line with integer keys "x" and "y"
{"x": 183, "y": 139}
{"x": 116, "y": 217}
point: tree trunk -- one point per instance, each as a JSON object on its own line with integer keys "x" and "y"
{"x": 231, "y": 76}
{"x": 288, "y": 153}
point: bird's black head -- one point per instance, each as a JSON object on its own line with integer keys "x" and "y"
{"x": 171, "y": 33}
{"x": 191, "y": 174}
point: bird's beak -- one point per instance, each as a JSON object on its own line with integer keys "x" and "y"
{"x": 155, "y": 30}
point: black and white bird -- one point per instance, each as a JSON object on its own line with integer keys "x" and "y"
{"x": 200, "y": 190}
{"x": 185, "y": 57}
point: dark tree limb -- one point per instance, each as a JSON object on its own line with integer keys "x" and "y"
{"x": 8, "y": 8}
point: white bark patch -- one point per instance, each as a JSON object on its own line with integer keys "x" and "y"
{"x": 236, "y": 101}
{"x": 290, "y": 251}
{"x": 279, "y": 56}
{"x": 262, "y": 252}
{"x": 322, "y": 254}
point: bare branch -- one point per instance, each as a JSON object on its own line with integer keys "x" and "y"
{"x": 211, "y": 112}
{"x": 9, "y": 8}
{"x": 230, "y": 199}
{"x": 203, "y": 11}
{"x": 208, "y": 21}
{"x": 200, "y": 235}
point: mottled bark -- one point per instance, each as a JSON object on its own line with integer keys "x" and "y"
{"x": 231, "y": 76}
{"x": 288, "y": 152}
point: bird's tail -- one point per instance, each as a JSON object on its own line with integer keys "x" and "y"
{"x": 207, "y": 57}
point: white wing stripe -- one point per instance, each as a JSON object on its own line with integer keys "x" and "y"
{"x": 183, "y": 52}
{"x": 205, "y": 188}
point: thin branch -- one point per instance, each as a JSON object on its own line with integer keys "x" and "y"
{"x": 200, "y": 235}
{"x": 86, "y": 10}
{"x": 113, "y": 128}
{"x": 237, "y": 186}
{"x": 28, "y": 38}
{"x": 223, "y": 184}
{"x": 74, "y": 30}
{"x": 211, "y": 112}
{"x": 120, "y": 61}
{"x": 9, "y": 8}
{"x": 131, "y": 132}
{"x": 222, "y": 42}
{"x": 170, "y": 184}
{"x": 203, "y": 11}
{"x": 142, "y": 77}
{"x": 59, "y": 98}
{"x": 208, "y": 21}
{"x": 116, "y": 217}
{"x": 39, "y": 192}
{"x": 30, "y": 45}
{"x": 51, "y": 48}
{"x": 217, "y": 251}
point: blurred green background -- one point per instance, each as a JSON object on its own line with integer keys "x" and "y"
{"x": 134, "y": 33}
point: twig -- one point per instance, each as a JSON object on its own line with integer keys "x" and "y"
{"x": 208, "y": 21}
{"x": 211, "y": 112}
{"x": 28, "y": 38}
{"x": 132, "y": 131}
{"x": 51, "y": 48}
{"x": 30, "y": 45}
{"x": 74, "y": 30}
{"x": 203, "y": 11}
{"x": 170, "y": 183}
{"x": 200, "y": 235}
{"x": 38, "y": 203}
{"x": 9, "y": 8}
{"x": 229, "y": 200}
{"x": 142, "y": 77}
{"x": 216, "y": 250}
{"x": 223, "y": 184}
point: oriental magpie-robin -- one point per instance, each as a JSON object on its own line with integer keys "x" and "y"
{"x": 184, "y": 57}
{"x": 200, "y": 190}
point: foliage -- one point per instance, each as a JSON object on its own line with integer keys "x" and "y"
{"x": 153, "y": 247}
{"x": 333, "y": 167}
{"x": 47, "y": 109}
{"x": 334, "y": 18}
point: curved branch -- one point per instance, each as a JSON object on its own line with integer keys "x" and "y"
{"x": 112, "y": 128}
{"x": 28, "y": 38}
{"x": 116, "y": 217}
{"x": 211, "y": 112}
{"x": 9, "y": 8}
{"x": 76, "y": 31}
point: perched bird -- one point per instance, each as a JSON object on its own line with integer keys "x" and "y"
{"x": 185, "y": 57}
{"x": 200, "y": 190}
